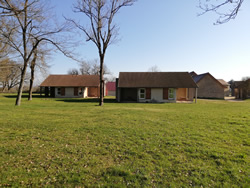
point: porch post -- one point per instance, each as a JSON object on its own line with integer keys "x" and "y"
{"x": 196, "y": 95}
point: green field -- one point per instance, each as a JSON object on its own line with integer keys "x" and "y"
{"x": 75, "y": 143}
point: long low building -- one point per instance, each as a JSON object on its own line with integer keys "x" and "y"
{"x": 210, "y": 87}
{"x": 71, "y": 86}
{"x": 155, "y": 87}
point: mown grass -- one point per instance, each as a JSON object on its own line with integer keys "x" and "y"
{"x": 74, "y": 142}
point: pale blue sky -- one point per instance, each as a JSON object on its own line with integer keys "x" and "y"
{"x": 168, "y": 34}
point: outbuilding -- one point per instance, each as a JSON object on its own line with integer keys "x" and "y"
{"x": 71, "y": 86}
{"x": 209, "y": 87}
{"x": 155, "y": 87}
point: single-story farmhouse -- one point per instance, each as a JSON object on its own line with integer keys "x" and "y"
{"x": 71, "y": 86}
{"x": 209, "y": 87}
{"x": 155, "y": 87}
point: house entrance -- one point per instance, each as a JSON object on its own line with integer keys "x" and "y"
{"x": 129, "y": 94}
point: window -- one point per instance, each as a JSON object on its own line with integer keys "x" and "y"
{"x": 171, "y": 93}
{"x": 58, "y": 91}
{"x": 142, "y": 93}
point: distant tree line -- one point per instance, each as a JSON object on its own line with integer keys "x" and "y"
{"x": 91, "y": 68}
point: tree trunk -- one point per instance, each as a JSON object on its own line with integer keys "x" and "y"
{"x": 4, "y": 86}
{"x": 25, "y": 60}
{"x": 31, "y": 82}
{"x": 20, "y": 89}
{"x": 32, "y": 69}
{"x": 101, "y": 80}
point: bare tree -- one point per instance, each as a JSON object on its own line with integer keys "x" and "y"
{"x": 102, "y": 31}
{"x": 4, "y": 50}
{"x": 226, "y": 9}
{"x": 73, "y": 71}
{"x": 10, "y": 74}
{"x": 92, "y": 68}
{"x": 154, "y": 68}
{"x": 85, "y": 68}
{"x": 22, "y": 23}
{"x": 38, "y": 61}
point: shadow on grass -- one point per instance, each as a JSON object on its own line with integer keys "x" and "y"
{"x": 83, "y": 100}
{"x": 23, "y": 96}
{"x": 86, "y": 100}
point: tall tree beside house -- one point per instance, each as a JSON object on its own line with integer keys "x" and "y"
{"x": 32, "y": 71}
{"x": 226, "y": 9}
{"x": 22, "y": 23}
{"x": 102, "y": 30}
{"x": 38, "y": 62}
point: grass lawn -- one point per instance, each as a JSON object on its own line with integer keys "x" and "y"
{"x": 74, "y": 142}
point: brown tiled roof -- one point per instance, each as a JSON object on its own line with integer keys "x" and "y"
{"x": 156, "y": 80}
{"x": 223, "y": 82}
{"x": 199, "y": 77}
{"x": 71, "y": 81}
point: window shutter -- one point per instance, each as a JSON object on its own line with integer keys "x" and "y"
{"x": 62, "y": 91}
{"x": 148, "y": 93}
{"x": 75, "y": 91}
{"x": 165, "y": 93}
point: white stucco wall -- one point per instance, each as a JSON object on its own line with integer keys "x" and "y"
{"x": 157, "y": 96}
{"x": 69, "y": 93}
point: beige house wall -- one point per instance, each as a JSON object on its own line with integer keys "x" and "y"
{"x": 210, "y": 88}
{"x": 69, "y": 93}
{"x": 157, "y": 96}
{"x": 191, "y": 94}
{"x": 227, "y": 91}
{"x": 85, "y": 92}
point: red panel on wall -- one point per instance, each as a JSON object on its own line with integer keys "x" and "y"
{"x": 165, "y": 93}
{"x": 148, "y": 93}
